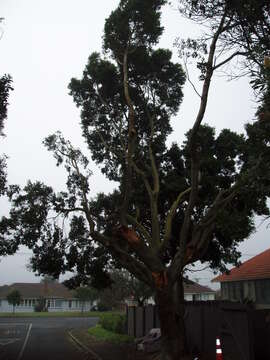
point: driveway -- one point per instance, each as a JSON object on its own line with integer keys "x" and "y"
{"x": 41, "y": 338}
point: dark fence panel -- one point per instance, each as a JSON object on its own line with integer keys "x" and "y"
{"x": 194, "y": 329}
{"x": 131, "y": 321}
{"x": 244, "y": 333}
{"x": 261, "y": 326}
{"x": 140, "y": 322}
{"x": 149, "y": 318}
{"x": 236, "y": 332}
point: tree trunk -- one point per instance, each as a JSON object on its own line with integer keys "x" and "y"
{"x": 171, "y": 315}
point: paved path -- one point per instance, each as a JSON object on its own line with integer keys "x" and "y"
{"x": 41, "y": 338}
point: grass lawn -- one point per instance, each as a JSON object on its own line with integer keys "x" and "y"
{"x": 105, "y": 335}
{"x": 57, "y": 314}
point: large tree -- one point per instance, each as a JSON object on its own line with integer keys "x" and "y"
{"x": 174, "y": 205}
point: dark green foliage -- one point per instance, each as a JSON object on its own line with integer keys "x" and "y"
{"x": 155, "y": 86}
{"x": 136, "y": 23}
{"x": 113, "y": 322}
{"x": 104, "y": 306}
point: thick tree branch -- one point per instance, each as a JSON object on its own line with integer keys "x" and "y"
{"x": 144, "y": 177}
{"x": 140, "y": 228}
{"x": 192, "y": 199}
{"x": 155, "y": 240}
{"x": 134, "y": 266}
{"x": 170, "y": 216}
{"x": 238, "y": 53}
{"x": 207, "y": 81}
{"x": 131, "y": 142}
{"x": 179, "y": 259}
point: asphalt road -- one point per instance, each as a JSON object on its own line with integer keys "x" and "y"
{"x": 41, "y": 338}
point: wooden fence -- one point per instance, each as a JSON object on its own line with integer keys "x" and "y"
{"x": 244, "y": 332}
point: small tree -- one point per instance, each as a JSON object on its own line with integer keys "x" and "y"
{"x": 86, "y": 294}
{"x": 140, "y": 291}
{"x": 123, "y": 286}
{"x": 14, "y": 298}
{"x": 41, "y": 305}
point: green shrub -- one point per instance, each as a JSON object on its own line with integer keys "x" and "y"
{"x": 41, "y": 305}
{"x": 113, "y": 322}
{"x": 103, "y": 307}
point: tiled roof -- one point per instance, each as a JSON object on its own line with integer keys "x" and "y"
{"x": 37, "y": 290}
{"x": 191, "y": 287}
{"x": 257, "y": 267}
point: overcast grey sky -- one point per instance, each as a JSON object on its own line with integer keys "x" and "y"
{"x": 44, "y": 44}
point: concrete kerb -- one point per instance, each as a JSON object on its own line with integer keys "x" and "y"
{"x": 84, "y": 347}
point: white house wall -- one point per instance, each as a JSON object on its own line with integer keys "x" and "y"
{"x": 6, "y": 307}
{"x": 199, "y": 297}
{"x": 66, "y": 305}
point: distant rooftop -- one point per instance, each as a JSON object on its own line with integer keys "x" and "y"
{"x": 37, "y": 290}
{"x": 191, "y": 287}
{"x": 257, "y": 267}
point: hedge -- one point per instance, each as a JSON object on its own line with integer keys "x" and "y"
{"x": 113, "y": 322}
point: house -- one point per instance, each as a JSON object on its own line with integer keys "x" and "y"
{"x": 55, "y": 296}
{"x": 196, "y": 292}
{"x": 192, "y": 292}
{"x": 250, "y": 282}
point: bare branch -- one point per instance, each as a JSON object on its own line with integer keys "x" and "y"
{"x": 238, "y": 53}
{"x": 189, "y": 80}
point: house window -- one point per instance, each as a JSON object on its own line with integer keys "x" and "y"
{"x": 249, "y": 290}
{"x": 263, "y": 291}
{"x": 236, "y": 291}
{"x": 69, "y": 303}
{"x": 205, "y": 297}
{"x": 58, "y": 303}
{"x": 225, "y": 291}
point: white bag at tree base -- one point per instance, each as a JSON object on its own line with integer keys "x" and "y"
{"x": 150, "y": 342}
